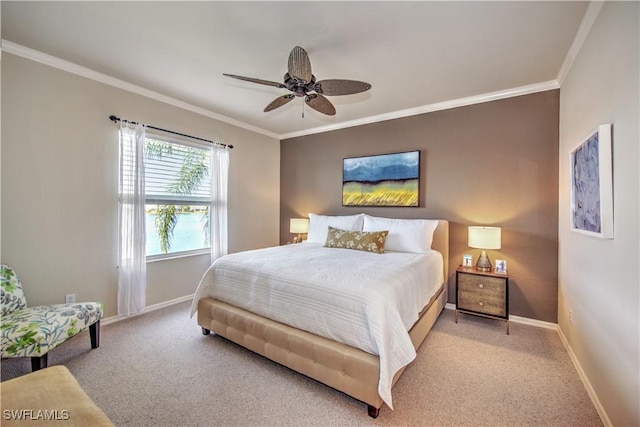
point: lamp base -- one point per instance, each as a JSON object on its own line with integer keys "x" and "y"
{"x": 483, "y": 264}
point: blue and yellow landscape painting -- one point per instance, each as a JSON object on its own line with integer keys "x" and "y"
{"x": 384, "y": 180}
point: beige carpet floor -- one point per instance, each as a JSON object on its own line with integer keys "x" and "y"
{"x": 158, "y": 369}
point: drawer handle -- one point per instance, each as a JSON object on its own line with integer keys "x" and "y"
{"x": 480, "y": 303}
{"x": 480, "y": 285}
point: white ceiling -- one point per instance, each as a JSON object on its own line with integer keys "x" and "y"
{"x": 416, "y": 55}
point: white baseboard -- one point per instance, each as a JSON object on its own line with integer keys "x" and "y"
{"x": 585, "y": 380}
{"x": 154, "y": 307}
{"x": 518, "y": 319}
{"x": 583, "y": 377}
{"x": 533, "y": 322}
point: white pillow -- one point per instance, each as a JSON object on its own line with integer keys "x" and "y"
{"x": 319, "y": 225}
{"x": 405, "y": 235}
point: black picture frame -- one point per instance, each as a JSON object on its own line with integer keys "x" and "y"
{"x": 391, "y": 180}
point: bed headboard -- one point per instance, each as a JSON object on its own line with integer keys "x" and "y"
{"x": 441, "y": 243}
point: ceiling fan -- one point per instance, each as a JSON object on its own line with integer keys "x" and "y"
{"x": 301, "y": 82}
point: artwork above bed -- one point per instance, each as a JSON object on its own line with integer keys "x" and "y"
{"x": 382, "y": 180}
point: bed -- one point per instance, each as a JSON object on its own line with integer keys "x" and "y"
{"x": 348, "y": 318}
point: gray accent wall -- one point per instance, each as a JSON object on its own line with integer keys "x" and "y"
{"x": 494, "y": 163}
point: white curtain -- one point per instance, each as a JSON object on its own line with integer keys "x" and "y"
{"x": 132, "y": 272}
{"x": 218, "y": 214}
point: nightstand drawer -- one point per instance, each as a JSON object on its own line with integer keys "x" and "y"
{"x": 482, "y": 294}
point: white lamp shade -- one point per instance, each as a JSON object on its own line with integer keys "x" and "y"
{"x": 485, "y": 237}
{"x": 299, "y": 225}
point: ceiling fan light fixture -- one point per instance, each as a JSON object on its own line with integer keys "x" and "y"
{"x": 302, "y": 83}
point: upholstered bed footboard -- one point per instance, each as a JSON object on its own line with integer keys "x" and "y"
{"x": 347, "y": 369}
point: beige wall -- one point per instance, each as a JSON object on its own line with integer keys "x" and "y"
{"x": 494, "y": 163}
{"x": 59, "y": 185}
{"x": 599, "y": 279}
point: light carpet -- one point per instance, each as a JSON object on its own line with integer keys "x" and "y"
{"x": 157, "y": 369}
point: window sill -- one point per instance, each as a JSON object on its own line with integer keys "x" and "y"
{"x": 177, "y": 255}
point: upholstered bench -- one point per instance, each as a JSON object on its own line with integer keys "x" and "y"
{"x": 50, "y": 396}
{"x": 34, "y": 331}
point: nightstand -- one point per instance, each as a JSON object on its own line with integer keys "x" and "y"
{"x": 482, "y": 294}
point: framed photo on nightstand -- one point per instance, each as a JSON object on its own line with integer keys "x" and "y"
{"x": 467, "y": 260}
{"x": 501, "y": 266}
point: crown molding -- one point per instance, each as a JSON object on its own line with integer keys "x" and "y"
{"x": 61, "y": 64}
{"x": 592, "y": 12}
{"x": 73, "y": 68}
{"x": 446, "y": 105}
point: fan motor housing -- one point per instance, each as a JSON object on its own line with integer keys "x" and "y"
{"x": 298, "y": 87}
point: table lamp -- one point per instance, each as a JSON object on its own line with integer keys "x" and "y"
{"x": 484, "y": 238}
{"x": 300, "y": 226}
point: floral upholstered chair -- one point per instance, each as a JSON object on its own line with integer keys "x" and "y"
{"x": 34, "y": 331}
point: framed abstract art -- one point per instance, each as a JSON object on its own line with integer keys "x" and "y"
{"x": 382, "y": 180}
{"x": 592, "y": 184}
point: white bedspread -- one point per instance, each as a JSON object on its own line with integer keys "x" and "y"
{"x": 365, "y": 300}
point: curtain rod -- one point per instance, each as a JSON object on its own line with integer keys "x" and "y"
{"x": 118, "y": 119}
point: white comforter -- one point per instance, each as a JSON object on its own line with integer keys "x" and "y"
{"x": 365, "y": 300}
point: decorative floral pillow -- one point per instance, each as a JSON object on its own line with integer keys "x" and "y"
{"x": 11, "y": 293}
{"x": 370, "y": 241}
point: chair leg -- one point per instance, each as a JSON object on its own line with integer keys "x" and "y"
{"x": 39, "y": 362}
{"x": 94, "y": 333}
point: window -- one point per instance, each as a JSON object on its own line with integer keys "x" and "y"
{"x": 177, "y": 197}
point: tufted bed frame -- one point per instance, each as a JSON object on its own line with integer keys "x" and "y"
{"x": 342, "y": 367}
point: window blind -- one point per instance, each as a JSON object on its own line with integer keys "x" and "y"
{"x": 171, "y": 169}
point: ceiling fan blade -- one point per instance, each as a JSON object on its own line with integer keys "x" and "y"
{"x": 334, "y": 87}
{"x": 259, "y": 81}
{"x": 320, "y": 103}
{"x": 299, "y": 65}
{"x": 279, "y": 102}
